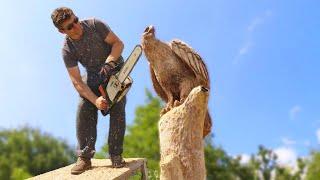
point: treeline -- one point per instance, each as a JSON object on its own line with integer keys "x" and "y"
{"x": 28, "y": 152}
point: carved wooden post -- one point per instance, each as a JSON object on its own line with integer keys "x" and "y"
{"x": 181, "y": 142}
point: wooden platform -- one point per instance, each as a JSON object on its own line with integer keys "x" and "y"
{"x": 101, "y": 169}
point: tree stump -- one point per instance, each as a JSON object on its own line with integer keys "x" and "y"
{"x": 181, "y": 141}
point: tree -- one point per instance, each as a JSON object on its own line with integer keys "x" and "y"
{"x": 217, "y": 163}
{"x": 283, "y": 173}
{"x": 264, "y": 162}
{"x": 286, "y": 173}
{"x": 27, "y": 152}
{"x": 302, "y": 164}
{"x": 313, "y": 172}
{"x": 142, "y": 139}
{"x": 244, "y": 171}
{"x": 221, "y": 166}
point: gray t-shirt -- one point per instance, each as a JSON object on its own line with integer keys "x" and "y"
{"x": 91, "y": 50}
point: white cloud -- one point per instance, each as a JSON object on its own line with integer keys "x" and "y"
{"x": 256, "y": 21}
{"x": 245, "y": 158}
{"x": 244, "y": 50}
{"x": 286, "y": 156}
{"x": 287, "y": 141}
{"x": 294, "y": 111}
{"x": 318, "y": 135}
{"x": 259, "y": 20}
{"x": 247, "y": 45}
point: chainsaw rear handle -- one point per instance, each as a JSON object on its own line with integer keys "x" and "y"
{"x": 104, "y": 95}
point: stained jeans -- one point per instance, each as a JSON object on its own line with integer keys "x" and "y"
{"x": 87, "y": 116}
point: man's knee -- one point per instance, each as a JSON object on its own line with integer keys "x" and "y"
{"x": 120, "y": 106}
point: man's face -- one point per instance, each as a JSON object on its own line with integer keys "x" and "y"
{"x": 71, "y": 27}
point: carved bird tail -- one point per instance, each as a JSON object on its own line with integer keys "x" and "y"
{"x": 207, "y": 125}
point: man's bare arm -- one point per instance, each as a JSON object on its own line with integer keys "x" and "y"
{"x": 84, "y": 90}
{"x": 117, "y": 46}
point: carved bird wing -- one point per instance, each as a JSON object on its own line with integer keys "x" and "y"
{"x": 192, "y": 59}
{"x": 157, "y": 86}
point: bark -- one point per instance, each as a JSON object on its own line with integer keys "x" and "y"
{"x": 181, "y": 141}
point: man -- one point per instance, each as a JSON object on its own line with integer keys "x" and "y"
{"x": 92, "y": 44}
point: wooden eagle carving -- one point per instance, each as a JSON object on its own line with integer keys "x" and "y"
{"x": 175, "y": 70}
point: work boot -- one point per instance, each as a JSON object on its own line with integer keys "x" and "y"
{"x": 117, "y": 161}
{"x": 81, "y": 165}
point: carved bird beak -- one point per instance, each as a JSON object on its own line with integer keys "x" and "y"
{"x": 149, "y": 29}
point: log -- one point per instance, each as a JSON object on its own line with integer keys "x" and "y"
{"x": 181, "y": 141}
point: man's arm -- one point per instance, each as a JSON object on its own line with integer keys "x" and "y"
{"x": 84, "y": 90}
{"x": 117, "y": 46}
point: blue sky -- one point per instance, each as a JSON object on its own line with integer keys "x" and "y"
{"x": 262, "y": 56}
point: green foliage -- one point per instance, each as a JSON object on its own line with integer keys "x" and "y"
{"x": 142, "y": 139}
{"x": 219, "y": 165}
{"x": 283, "y": 173}
{"x": 286, "y": 173}
{"x": 302, "y": 164}
{"x": 313, "y": 172}
{"x": 243, "y": 171}
{"x": 136, "y": 176}
{"x": 19, "y": 173}
{"x": 27, "y": 152}
{"x": 264, "y": 161}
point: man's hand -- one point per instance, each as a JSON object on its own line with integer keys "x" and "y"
{"x": 106, "y": 71}
{"x": 101, "y": 103}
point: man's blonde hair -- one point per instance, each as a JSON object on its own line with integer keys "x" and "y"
{"x": 60, "y": 15}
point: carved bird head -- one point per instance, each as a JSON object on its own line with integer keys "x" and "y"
{"x": 149, "y": 32}
{"x": 148, "y": 35}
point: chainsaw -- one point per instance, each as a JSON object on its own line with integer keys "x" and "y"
{"x": 120, "y": 83}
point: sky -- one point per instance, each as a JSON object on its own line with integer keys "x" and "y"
{"x": 262, "y": 57}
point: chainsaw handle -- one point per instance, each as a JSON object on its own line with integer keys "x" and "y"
{"x": 104, "y": 95}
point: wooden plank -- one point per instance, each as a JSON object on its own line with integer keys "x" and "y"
{"x": 101, "y": 169}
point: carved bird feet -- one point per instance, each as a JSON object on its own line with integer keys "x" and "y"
{"x": 165, "y": 110}
{"x": 170, "y": 106}
{"x": 176, "y": 103}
